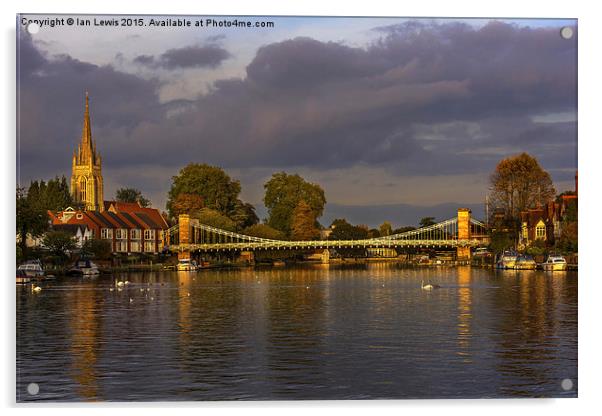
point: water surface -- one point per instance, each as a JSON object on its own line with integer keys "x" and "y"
{"x": 311, "y": 332}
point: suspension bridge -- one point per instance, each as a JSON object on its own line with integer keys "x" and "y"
{"x": 461, "y": 232}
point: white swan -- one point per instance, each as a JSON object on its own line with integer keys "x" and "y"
{"x": 36, "y": 289}
{"x": 428, "y": 286}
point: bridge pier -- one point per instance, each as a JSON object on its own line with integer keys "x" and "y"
{"x": 463, "y": 253}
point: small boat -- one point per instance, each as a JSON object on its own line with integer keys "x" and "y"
{"x": 187, "y": 265}
{"x": 506, "y": 260}
{"x": 554, "y": 263}
{"x": 84, "y": 268}
{"x": 22, "y": 277}
{"x": 525, "y": 262}
{"x": 278, "y": 263}
{"x": 33, "y": 269}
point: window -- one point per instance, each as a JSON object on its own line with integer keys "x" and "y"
{"x": 83, "y": 183}
{"x": 106, "y": 233}
{"x": 525, "y": 231}
{"x": 121, "y": 234}
{"x": 540, "y": 230}
{"x": 121, "y": 246}
{"x": 149, "y": 235}
{"x": 135, "y": 234}
{"x": 149, "y": 246}
{"x": 135, "y": 246}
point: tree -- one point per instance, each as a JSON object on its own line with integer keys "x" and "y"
{"x": 59, "y": 243}
{"x": 519, "y": 183}
{"x": 303, "y": 223}
{"x": 187, "y": 204}
{"x": 264, "y": 231}
{"x": 97, "y": 248}
{"x": 342, "y": 230}
{"x": 32, "y": 219}
{"x": 283, "y": 192}
{"x": 214, "y": 218}
{"x": 52, "y": 196}
{"x": 403, "y": 229}
{"x": 426, "y": 222}
{"x": 243, "y": 215}
{"x": 218, "y": 190}
{"x": 385, "y": 229}
{"x": 131, "y": 195}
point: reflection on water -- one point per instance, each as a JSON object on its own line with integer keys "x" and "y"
{"x": 313, "y": 332}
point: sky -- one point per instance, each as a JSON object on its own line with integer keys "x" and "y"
{"x": 395, "y": 118}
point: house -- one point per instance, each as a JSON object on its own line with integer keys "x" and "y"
{"x": 80, "y": 232}
{"x": 129, "y": 227}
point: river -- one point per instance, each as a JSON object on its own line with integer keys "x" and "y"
{"x": 364, "y": 331}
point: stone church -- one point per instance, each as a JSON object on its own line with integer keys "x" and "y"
{"x": 86, "y": 173}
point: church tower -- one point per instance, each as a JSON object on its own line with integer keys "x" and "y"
{"x": 86, "y": 173}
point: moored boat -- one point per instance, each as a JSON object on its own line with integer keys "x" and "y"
{"x": 187, "y": 265}
{"x": 22, "y": 277}
{"x": 33, "y": 269}
{"x": 525, "y": 262}
{"x": 506, "y": 260}
{"x": 84, "y": 268}
{"x": 554, "y": 263}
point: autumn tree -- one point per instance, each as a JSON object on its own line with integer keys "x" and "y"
{"x": 283, "y": 192}
{"x": 186, "y": 204}
{"x": 132, "y": 195}
{"x": 303, "y": 224}
{"x": 519, "y": 183}
{"x": 218, "y": 191}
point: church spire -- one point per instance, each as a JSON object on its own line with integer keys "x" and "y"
{"x": 87, "y": 130}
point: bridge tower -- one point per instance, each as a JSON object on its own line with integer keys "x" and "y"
{"x": 185, "y": 235}
{"x": 463, "y": 253}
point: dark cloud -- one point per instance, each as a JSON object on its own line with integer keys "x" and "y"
{"x": 209, "y": 56}
{"x": 425, "y": 99}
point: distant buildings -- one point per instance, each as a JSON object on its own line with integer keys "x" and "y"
{"x": 545, "y": 223}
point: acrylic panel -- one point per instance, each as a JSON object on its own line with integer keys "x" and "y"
{"x": 295, "y": 208}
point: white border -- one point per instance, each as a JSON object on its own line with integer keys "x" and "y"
{"x": 589, "y": 162}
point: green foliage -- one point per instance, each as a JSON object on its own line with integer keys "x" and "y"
{"x": 385, "y": 229}
{"x": 283, "y": 192}
{"x": 569, "y": 241}
{"x": 131, "y": 195}
{"x": 501, "y": 240}
{"x": 97, "y": 249}
{"x": 32, "y": 218}
{"x": 303, "y": 224}
{"x": 218, "y": 190}
{"x": 403, "y": 229}
{"x": 264, "y": 231}
{"x": 570, "y": 215}
{"x": 342, "y": 230}
{"x": 214, "y": 218}
{"x": 51, "y": 196}
{"x": 536, "y": 248}
{"x": 243, "y": 215}
{"x": 426, "y": 222}
{"x": 59, "y": 243}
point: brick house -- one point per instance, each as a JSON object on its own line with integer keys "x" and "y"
{"x": 129, "y": 227}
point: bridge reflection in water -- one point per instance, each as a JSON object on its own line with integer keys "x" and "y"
{"x": 306, "y": 332}
{"x": 461, "y": 233}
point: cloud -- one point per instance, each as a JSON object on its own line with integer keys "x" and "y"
{"x": 422, "y": 100}
{"x": 210, "y": 56}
